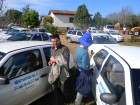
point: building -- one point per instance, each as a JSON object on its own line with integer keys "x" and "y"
{"x": 62, "y": 18}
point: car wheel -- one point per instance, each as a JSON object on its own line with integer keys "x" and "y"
{"x": 129, "y": 32}
{"x": 136, "y": 33}
{"x": 69, "y": 40}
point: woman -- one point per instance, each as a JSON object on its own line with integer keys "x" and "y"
{"x": 83, "y": 66}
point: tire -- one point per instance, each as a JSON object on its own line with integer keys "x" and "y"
{"x": 136, "y": 33}
{"x": 129, "y": 33}
{"x": 69, "y": 40}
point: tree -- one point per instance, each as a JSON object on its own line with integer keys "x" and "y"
{"x": 82, "y": 17}
{"x": 26, "y": 9}
{"x": 45, "y": 20}
{"x": 13, "y": 16}
{"x": 1, "y": 6}
{"x": 97, "y": 20}
{"x": 31, "y": 18}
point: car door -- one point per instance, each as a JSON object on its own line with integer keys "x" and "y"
{"x": 109, "y": 77}
{"x": 97, "y": 61}
{"x": 26, "y": 76}
{"x": 79, "y": 34}
{"x": 73, "y": 35}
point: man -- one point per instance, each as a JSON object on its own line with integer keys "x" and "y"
{"x": 57, "y": 86}
{"x": 83, "y": 65}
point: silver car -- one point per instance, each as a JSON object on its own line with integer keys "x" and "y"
{"x": 73, "y": 35}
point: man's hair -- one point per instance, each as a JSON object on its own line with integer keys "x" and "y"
{"x": 53, "y": 36}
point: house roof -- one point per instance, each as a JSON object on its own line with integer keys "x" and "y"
{"x": 63, "y": 12}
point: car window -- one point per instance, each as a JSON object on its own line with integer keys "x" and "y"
{"x": 42, "y": 30}
{"x": 37, "y": 37}
{"x": 22, "y": 63}
{"x": 47, "y": 52}
{"x": 79, "y": 33}
{"x": 99, "y": 58}
{"x": 12, "y": 31}
{"x": 69, "y": 32}
{"x": 113, "y": 75}
{"x": 104, "y": 39}
{"x": 45, "y": 36}
{"x": 24, "y": 30}
{"x": 73, "y": 32}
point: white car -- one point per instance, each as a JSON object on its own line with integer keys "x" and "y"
{"x": 24, "y": 71}
{"x": 115, "y": 79}
{"x": 107, "y": 28}
{"x": 6, "y": 34}
{"x": 116, "y": 36}
{"x": 41, "y": 30}
{"x": 100, "y": 40}
{"x": 97, "y": 31}
{"x": 74, "y": 35}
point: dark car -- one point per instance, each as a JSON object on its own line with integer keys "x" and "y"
{"x": 32, "y": 36}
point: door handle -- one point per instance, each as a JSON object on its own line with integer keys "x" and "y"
{"x": 43, "y": 75}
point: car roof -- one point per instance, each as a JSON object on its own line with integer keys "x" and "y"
{"x": 129, "y": 53}
{"x": 20, "y": 28}
{"x": 15, "y": 45}
{"x": 32, "y": 32}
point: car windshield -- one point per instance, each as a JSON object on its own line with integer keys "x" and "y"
{"x": 110, "y": 27}
{"x": 2, "y": 55}
{"x": 20, "y": 36}
{"x": 42, "y": 30}
{"x": 136, "y": 85}
{"x": 12, "y": 31}
{"x": 114, "y": 33}
{"x": 103, "y": 40}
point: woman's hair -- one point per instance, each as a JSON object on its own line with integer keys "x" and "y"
{"x": 53, "y": 36}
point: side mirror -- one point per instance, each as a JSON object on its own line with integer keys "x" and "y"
{"x": 4, "y": 81}
{"x": 108, "y": 98}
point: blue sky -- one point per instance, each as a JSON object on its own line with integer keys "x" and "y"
{"x": 105, "y": 7}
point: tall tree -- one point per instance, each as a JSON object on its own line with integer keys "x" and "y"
{"x": 1, "y": 6}
{"x": 30, "y": 18}
{"x": 97, "y": 20}
{"x": 26, "y": 9}
{"x": 13, "y": 16}
{"x": 82, "y": 17}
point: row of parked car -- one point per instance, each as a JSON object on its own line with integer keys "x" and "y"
{"x": 20, "y": 33}
{"x": 73, "y": 35}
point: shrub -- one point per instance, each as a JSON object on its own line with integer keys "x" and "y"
{"x": 51, "y": 28}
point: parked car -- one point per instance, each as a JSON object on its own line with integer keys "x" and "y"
{"x": 107, "y": 28}
{"x": 24, "y": 71}
{"x": 31, "y": 36}
{"x": 134, "y": 31}
{"x": 14, "y": 30}
{"x": 41, "y": 30}
{"x": 116, "y": 36}
{"x": 115, "y": 79}
{"x": 92, "y": 28}
{"x": 100, "y": 40}
{"x": 96, "y": 31}
{"x": 73, "y": 35}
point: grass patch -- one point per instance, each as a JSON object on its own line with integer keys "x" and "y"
{"x": 130, "y": 43}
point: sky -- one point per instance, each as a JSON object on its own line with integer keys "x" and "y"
{"x": 105, "y": 7}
